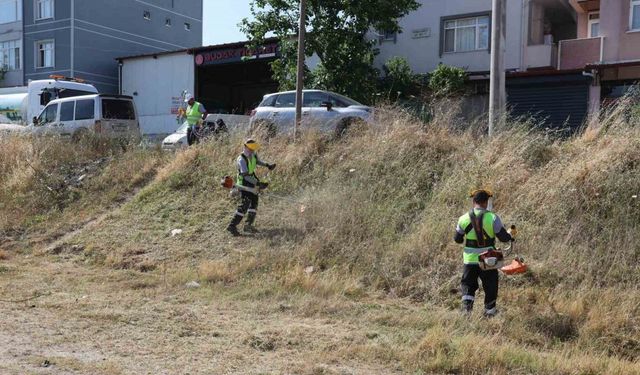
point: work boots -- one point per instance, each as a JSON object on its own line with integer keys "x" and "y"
{"x": 249, "y": 228}
{"x": 233, "y": 230}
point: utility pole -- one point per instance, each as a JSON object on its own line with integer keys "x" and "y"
{"x": 498, "y": 92}
{"x": 300, "y": 79}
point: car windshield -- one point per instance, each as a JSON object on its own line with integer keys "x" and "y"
{"x": 183, "y": 128}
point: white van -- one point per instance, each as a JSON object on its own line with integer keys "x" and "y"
{"x": 112, "y": 116}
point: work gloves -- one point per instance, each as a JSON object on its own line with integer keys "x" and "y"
{"x": 271, "y": 166}
{"x": 263, "y": 185}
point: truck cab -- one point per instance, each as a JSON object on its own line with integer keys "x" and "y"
{"x": 41, "y": 92}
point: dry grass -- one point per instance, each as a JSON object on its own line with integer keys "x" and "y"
{"x": 372, "y": 249}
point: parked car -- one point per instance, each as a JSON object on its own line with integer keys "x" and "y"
{"x": 323, "y": 110}
{"x": 213, "y": 125}
{"x": 111, "y": 116}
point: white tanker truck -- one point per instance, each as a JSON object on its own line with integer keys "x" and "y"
{"x": 19, "y": 105}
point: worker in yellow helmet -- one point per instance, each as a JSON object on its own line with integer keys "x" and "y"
{"x": 478, "y": 229}
{"x": 249, "y": 186}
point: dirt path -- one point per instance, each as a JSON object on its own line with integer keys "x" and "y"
{"x": 99, "y": 321}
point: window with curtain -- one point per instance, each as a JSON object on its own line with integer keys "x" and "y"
{"x": 10, "y": 54}
{"x": 45, "y": 54}
{"x": 635, "y": 14}
{"x": 44, "y": 9}
{"x": 10, "y": 11}
{"x": 466, "y": 34}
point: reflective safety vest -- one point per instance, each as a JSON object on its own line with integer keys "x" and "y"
{"x": 252, "y": 162}
{"x": 193, "y": 114}
{"x": 474, "y": 245}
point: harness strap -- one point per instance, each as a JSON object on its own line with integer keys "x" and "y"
{"x": 477, "y": 224}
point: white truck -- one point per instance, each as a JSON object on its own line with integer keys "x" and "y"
{"x": 19, "y": 105}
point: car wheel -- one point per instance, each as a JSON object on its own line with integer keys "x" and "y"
{"x": 263, "y": 128}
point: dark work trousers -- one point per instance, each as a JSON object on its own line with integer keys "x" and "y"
{"x": 192, "y": 136}
{"x": 248, "y": 206}
{"x": 470, "y": 275}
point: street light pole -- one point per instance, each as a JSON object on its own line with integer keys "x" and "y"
{"x": 300, "y": 78}
{"x": 498, "y": 92}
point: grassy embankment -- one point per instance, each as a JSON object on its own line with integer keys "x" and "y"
{"x": 359, "y": 230}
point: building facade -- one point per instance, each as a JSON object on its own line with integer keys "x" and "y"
{"x": 82, "y": 38}
{"x": 608, "y": 47}
{"x": 457, "y": 33}
{"x": 11, "y": 43}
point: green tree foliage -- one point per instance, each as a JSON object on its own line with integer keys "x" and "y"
{"x": 337, "y": 33}
{"x": 399, "y": 80}
{"x": 447, "y": 80}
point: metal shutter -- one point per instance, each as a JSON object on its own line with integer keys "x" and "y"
{"x": 558, "y": 102}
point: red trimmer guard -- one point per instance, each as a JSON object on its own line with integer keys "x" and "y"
{"x": 516, "y": 267}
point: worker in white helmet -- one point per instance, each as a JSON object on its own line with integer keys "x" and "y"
{"x": 195, "y": 114}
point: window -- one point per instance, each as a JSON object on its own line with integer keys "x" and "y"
{"x": 268, "y": 101}
{"x": 146, "y": 15}
{"x": 84, "y": 109}
{"x": 466, "y": 34}
{"x": 66, "y": 111}
{"x": 286, "y": 100}
{"x": 44, "y": 9}
{"x": 10, "y": 54}
{"x": 635, "y": 15}
{"x": 314, "y": 99}
{"x": 594, "y": 24}
{"x": 118, "y": 109}
{"x": 45, "y": 54}
{"x": 340, "y": 101}
{"x": 388, "y": 36}
{"x": 187, "y": 26}
{"x": 48, "y": 115}
{"x": 167, "y": 22}
{"x": 10, "y": 11}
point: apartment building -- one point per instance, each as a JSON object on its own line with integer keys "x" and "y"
{"x": 11, "y": 51}
{"x": 82, "y": 38}
{"x": 457, "y": 32}
{"x": 607, "y": 46}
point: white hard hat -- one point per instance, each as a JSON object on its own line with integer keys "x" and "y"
{"x": 188, "y": 97}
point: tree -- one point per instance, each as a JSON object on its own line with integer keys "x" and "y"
{"x": 337, "y": 34}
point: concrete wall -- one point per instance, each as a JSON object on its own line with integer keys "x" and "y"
{"x": 154, "y": 83}
{"x": 9, "y": 32}
{"x": 423, "y": 54}
{"x": 102, "y": 30}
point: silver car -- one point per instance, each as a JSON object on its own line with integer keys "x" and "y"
{"x": 323, "y": 110}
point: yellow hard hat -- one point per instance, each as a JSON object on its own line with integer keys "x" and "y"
{"x": 252, "y": 145}
{"x": 477, "y": 191}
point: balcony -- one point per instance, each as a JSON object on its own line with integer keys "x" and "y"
{"x": 542, "y": 56}
{"x": 586, "y": 5}
{"x": 577, "y": 53}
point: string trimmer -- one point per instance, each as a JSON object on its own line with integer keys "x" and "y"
{"x": 228, "y": 183}
{"x": 495, "y": 259}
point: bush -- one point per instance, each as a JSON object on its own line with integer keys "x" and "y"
{"x": 447, "y": 80}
